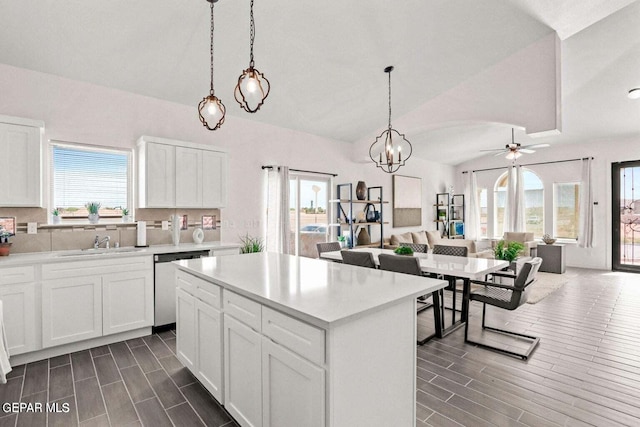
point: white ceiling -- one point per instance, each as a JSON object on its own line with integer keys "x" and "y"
{"x": 325, "y": 60}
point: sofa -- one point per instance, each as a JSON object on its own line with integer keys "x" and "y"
{"x": 433, "y": 238}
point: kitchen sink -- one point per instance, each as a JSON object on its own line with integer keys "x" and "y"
{"x": 100, "y": 251}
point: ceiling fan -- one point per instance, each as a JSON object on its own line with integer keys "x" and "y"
{"x": 515, "y": 150}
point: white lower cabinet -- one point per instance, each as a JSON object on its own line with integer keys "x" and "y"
{"x": 293, "y": 389}
{"x": 209, "y": 351}
{"x": 186, "y": 329}
{"x": 71, "y": 310}
{"x": 242, "y": 372}
{"x": 18, "y": 296}
{"x": 85, "y": 299}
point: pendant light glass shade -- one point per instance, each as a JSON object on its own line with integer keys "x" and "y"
{"x": 211, "y": 110}
{"x": 391, "y": 149}
{"x": 253, "y": 87}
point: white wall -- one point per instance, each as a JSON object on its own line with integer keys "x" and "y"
{"x": 81, "y": 112}
{"x": 605, "y": 153}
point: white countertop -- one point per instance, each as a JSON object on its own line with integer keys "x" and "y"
{"x": 92, "y": 254}
{"x": 322, "y": 293}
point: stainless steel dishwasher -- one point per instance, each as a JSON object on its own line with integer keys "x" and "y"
{"x": 165, "y": 286}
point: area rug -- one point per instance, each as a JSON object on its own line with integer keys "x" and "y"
{"x": 546, "y": 284}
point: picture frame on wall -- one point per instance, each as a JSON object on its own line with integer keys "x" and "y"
{"x": 208, "y": 222}
{"x": 407, "y": 201}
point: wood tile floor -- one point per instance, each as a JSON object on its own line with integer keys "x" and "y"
{"x": 132, "y": 383}
{"x": 585, "y": 372}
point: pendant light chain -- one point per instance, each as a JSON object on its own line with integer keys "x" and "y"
{"x": 252, "y": 35}
{"x": 211, "y": 51}
{"x": 389, "y": 99}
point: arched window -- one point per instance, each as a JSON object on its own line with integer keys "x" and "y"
{"x": 533, "y": 203}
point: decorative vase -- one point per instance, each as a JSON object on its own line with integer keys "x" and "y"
{"x": 198, "y": 235}
{"x": 363, "y": 237}
{"x": 361, "y": 190}
{"x": 175, "y": 229}
{"x": 94, "y": 218}
{"x": 5, "y": 248}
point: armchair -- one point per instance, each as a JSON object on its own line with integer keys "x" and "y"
{"x": 530, "y": 245}
{"x": 507, "y": 297}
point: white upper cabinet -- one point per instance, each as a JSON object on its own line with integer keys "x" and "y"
{"x": 177, "y": 174}
{"x": 21, "y": 172}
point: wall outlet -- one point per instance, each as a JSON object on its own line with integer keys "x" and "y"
{"x": 32, "y": 228}
{"x": 165, "y": 225}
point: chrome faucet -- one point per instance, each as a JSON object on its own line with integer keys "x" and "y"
{"x": 97, "y": 242}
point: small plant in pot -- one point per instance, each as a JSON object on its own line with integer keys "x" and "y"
{"x": 508, "y": 251}
{"x": 403, "y": 250}
{"x": 5, "y": 245}
{"x": 251, "y": 244}
{"x": 56, "y": 215}
{"x": 343, "y": 241}
{"x": 93, "y": 208}
{"x": 125, "y": 215}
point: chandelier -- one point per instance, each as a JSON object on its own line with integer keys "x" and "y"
{"x": 211, "y": 110}
{"x": 253, "y": 87}
{"x": 391, "y": 149}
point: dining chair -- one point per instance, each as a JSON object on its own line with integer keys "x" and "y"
{"x": 327, "y": 247}
{"x": 359, "y": 258}
{"x": 507, "y": 297}
{"x": 411, "y": 265}
{"x": 417, "y": 247}
{"x": 460, "y": 251}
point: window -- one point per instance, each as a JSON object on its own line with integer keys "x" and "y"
{"x": 566, "y": 205}
{"x": 533, "y": 203}
{"x": 308, "y": 210}
{"x": 82, "y": 174}
{"x": 484, "y": 218}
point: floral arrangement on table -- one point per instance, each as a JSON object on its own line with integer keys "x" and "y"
{"x": 403, "y": 250}
{"x": 251, "y": 244}
{"x": 508, "y": 251}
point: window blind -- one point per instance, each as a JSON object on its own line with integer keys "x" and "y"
{"x": 89, "y": 174}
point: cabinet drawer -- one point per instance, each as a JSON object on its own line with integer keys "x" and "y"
{"x": 17, "y": 275}
{"x": 300, "y": 337}
{"x": 185, "y": 281}
{"x": 205, "y": 291}
{"x": 243, "y": 309}
{"x": 63, "y": 269}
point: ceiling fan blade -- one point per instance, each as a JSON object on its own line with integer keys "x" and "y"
{"x": 536, "y": 146}
{"x": 495, "y": 149}
{"x": 526, "y": 151}
{"x": 500, "y": 153}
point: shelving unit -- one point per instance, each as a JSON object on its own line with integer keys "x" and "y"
{"x": 450, "y": 210}
{"x": 346, "y": 215}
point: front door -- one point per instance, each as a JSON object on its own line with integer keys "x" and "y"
{"x": 626, "y": 216}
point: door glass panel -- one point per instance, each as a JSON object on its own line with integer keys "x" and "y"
{"x": 629, "y": 203}
{"x": 309, "y": 214}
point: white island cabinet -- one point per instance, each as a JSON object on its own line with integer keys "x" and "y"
{"x": 297, "y": 335}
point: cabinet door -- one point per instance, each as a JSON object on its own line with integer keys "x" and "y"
{"x": 20, "y": 176}
{"x": 214, "y": 179}
{"x": 188, "y": 177}
{"x": 19, "y": 310}
{"x": 242, "y": 372}
{"x": 159, "y": 176}
{"x": 293, "y": 389}
{"x": 185, "y": 329}
{"x": 127, "y": 301}
{"x": 71, "y": 310}
{"x": 209, "y": 348}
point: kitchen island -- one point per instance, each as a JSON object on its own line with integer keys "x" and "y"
{"x": 281, "y": 340}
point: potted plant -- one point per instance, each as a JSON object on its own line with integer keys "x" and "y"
{"x": 251, "y": 244}
{"x": 56, "y": 215}
{"x": 93, "y": 208}
{"x": 404, "y": 250}
{"x": 125, "y": 215}
{"x": 508, "y": 252}
{"x": 5, "y": 245}
{"x": 343, "y": 241}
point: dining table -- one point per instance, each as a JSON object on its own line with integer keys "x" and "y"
{"x": 465, "y": 268}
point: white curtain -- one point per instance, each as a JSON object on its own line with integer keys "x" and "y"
{"x": 278, "y": 223}
{"x": 518, "y": 211}
{"x": 509, "y": 204}
{"x": 472, "y": 231}
{"x": 585, "y": 232}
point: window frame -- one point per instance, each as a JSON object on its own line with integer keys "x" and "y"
{"x": 105, "y": 219}
{"x": 554, "y": 213}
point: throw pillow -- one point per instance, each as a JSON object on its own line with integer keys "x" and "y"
{"x": 420, "y": 237}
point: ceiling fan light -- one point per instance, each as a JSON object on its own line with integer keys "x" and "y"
{"x": 634, "y": 93}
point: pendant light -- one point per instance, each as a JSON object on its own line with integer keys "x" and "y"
{"x": 253, "y": 87}
{"x": 391, "y": 149}
{"x": 211, "y": 110}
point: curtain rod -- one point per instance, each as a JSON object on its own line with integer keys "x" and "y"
{"x": 300, "y": 170}
{"x": 531, "y": 164}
